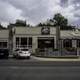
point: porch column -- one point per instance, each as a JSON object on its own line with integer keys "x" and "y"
{"x": 19, "y": 42}
{"x": 74, "y": 43}
{"x": 27, "y": 42}
{"x": 14, "y": 43}
{"x": 34, "y": 44}
{"x": 55, "y": 43}
{"x": 61, "y": 43}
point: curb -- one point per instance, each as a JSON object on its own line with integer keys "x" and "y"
{"x": 56, "y": 59}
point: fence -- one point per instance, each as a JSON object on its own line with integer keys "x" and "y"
{"x": 56, "y": 52}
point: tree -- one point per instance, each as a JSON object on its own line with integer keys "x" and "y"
{"x": 59, "y": 20}
{"x": 20, "y": 23}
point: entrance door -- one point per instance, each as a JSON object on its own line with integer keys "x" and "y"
{"x": 45, "y": 43}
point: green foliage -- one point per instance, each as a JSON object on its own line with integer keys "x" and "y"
{"x": 70, "y": 49}
{"x": 58, "y": 20}
{"x": 20, "y": 23}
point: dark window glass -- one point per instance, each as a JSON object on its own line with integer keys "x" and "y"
{"x": 17, "y": 41}
{"x": 4, "y": 44}
{"x": 30, "y": 41}
{"x": 24, "y": 49}
{"x": 78, "y": 43}
{"x": 24, "y": 41}
{"x": 0, "y": 44}
{"x": 67, "y": 43}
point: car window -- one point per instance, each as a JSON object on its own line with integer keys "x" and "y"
{"x": 17, "y": 50}
{"x": 25, "y": 50}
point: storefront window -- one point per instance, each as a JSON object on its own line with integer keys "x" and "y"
{"x": 17, "y": 41}
{"x": 67, "y": 43}
{"x": 30, "y": 41}
{"x": 78, "y": 43}
{"x": 24, "y": 42}
{"x": 3, "y": 44}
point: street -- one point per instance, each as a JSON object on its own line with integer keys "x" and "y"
{"x": 13, "y": 69}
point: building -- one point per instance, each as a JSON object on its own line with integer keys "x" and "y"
{"x": 39, "y": 37}
{"x": 4, "y": 38}
{"x": 44, "y": 37}
{"x": 34, "y": 37}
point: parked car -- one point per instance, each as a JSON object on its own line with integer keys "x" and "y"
{"x": 22, "y": 53}
{"x": 15, "y": 52}
{"x": 4, "y": 53}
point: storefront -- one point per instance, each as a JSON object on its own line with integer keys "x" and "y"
{"x": 38, "y": 37}
{"x": 42, "y": 37}
{"x": 34, "y": 37}
{"x": 46, "y": 42}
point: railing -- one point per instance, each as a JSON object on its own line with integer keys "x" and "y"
{"x": 55, "y": 52}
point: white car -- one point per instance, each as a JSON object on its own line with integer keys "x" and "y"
{"x": 22, "y": 53}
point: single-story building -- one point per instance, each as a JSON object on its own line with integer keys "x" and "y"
{"x": 38, "y": 37}
{"x": 34, "y": 37}
{"x": 44, "y": 37}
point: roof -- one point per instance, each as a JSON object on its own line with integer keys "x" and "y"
{"x": 70, "y": 34}
{"x": 66, "y": 34}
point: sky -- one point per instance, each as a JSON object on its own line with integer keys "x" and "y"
{"x": 35, "y": 11}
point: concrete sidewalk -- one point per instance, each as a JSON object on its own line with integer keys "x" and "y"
{"x": 52, "y": 59}
{"x": 56, "y": 59}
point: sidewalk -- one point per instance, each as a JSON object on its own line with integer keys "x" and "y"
{"x": 56, "y": 59}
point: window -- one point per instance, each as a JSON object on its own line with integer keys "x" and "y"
{"x": 78, "y": 43}
{"x": 0, "y": 44}
{"x": 67, "y": 43}
{"x": 23, "y": 41}
{"x": 30, "y": 41}
{"x": 17, "y": 41}
{"x": 3, "y": 44}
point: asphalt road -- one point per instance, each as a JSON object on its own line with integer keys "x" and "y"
{"x": 13, "y": 69}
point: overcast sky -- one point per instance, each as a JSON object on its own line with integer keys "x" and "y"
{"x": 35, "y": 11}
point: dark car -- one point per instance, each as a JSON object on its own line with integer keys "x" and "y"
{"x": 4, "y": 53}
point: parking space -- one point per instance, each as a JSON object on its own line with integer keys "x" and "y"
{"x": 10, "y": 58}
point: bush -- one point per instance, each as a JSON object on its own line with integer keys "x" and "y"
{"x": 71, "y": 49}
{"x": 55, "y": 49}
